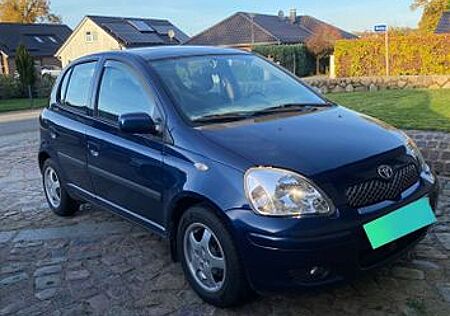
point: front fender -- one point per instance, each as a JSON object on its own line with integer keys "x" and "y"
{"x": 220, "y": 185}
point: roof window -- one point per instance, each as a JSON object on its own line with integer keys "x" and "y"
{"x": 141, "y": 26}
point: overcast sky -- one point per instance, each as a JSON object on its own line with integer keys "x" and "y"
{"x": 192, "y": 16}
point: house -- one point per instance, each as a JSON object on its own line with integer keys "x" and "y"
{"x": 41, "y": 40}
{"x": 243, "y": 30}
{"x": 444, "y": 23}
{"x": 103, "y": 33}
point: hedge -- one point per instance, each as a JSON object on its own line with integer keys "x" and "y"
{"x": 10, "y": 87}
{"x": 415, "y": 54}
{"x": 289, "y": 56}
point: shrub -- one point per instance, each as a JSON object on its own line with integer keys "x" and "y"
{"x": 290, "y": 57}
{"x": 44, "y": 85}
{"x": 415, "y": 54}
{"x": 9, "y": 87}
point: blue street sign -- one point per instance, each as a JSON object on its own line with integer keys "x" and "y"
{"x": 380, "y": 28}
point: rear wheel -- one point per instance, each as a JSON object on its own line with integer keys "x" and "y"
{"x": 58, "y": 199}
{"x": 209, "y": 258}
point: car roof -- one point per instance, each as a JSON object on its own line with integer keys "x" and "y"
{"x": 167, "y": 52}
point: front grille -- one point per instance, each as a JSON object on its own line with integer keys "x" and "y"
{"x": 378, "y": 190}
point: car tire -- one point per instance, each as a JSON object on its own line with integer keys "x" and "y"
{"x": 233, "y": 288}
{"x": 55, "y": 191}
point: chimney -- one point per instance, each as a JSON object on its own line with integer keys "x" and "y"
{"x": 292, "y": 15}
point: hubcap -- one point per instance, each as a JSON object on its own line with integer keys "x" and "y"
{"x": 52, "y": 187}
{"x": 204, "y": 256}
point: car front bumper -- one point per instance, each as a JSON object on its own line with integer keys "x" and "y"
{"x": 286, "y": 253}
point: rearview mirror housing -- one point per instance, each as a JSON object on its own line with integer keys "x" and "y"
{"x": 138, "y": 122}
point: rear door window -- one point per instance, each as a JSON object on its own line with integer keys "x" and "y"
{"x": 77, "y": 95}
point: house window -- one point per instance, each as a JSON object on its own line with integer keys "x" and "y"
{"x": 53, "y": 39}
{"x": 89, "y": 37}
{"x": 37, "y": 38}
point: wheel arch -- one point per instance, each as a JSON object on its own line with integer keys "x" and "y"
{"x": 42, "y": 157}
{"x": 180, "y": 205}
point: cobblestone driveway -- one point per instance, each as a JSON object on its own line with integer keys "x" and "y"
{"x": 97, "y": 263}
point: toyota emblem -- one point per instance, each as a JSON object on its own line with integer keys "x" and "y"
{"x": 385, "y": 171}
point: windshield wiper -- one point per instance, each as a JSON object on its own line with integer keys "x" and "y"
{"x": 224, "y": 117}
{"x": 290, "y": 107}
{"x": 242, "y": 115}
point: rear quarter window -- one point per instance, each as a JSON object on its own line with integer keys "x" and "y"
{"x": 78, "y": 84}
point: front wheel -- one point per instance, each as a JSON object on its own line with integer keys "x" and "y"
{"x": 209, "y": 258}
{"x": 57, "y": 197}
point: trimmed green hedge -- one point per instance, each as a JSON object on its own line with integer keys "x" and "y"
{"x": 10, "y": 87}
{"x": 289, "y": 56}
{"x": 416, "y": 54}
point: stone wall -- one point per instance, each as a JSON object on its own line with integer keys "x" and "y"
{"x": 435, "y": 147}
{"x": 327, "y": 85}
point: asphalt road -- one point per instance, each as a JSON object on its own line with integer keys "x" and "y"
{"x": 19, "y": 122}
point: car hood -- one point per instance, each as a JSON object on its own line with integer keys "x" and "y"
{"x": 309, "y": 143}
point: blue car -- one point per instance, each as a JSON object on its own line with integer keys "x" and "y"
{"x": 258, "y": 182}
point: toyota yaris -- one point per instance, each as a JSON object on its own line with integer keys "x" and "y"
{"x": 258, "y": 182}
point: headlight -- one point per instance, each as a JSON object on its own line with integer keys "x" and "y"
{"x": 413, "y": 150}
{"x": 277, "y": 192}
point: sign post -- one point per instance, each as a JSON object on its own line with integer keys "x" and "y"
{"x": 383, "y": 28}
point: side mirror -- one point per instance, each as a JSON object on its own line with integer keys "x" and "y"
{"x": 140, "y": 123}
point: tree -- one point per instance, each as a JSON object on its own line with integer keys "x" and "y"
{"x": 27, "y": 11}
{"x": 321, "y": 43}
{"x": 25, "y": 68}
{"x": 432, "y": 12}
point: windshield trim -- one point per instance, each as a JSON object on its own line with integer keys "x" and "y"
{"x": 193, "y": 124}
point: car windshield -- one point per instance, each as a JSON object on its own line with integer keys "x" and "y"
{"x": 231, "y": 87}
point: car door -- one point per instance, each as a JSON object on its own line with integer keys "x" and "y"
{"x": 126, "y": 169}
{"x": 68, "y": 124}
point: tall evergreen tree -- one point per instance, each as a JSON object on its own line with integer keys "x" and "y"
{"x": 26, "y": 70}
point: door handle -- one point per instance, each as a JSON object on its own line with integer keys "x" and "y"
{"x": 93, "y": 152}
{"x": 53, "y": 133}
{"x": 93, "y": 149}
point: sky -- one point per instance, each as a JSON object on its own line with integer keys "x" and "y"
{"x": 193, "y": 16}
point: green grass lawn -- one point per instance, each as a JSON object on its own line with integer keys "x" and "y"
{"x": 21, "y": 104}
{"x": 407, "y": 109}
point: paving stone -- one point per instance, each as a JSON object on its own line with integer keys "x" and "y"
{"x": 72, "y": 231}
{"x": 45, "y": 294}
{"x": 12, "y": 268}
{"x": 10, "y": 309}
{"x": 425, "y": 265}
{"x": 444, "y": 290}
{"x": 28, "y": 244}
{"x": 47, "y": 281}
{"x": 49, "y": 262}
{"x": 430, "y": 252}
{"x": 6, "y": 236}
{"x": 14, "y": 279}
{"x": 77, "y": 275}
{"x": 408, "y": 273}
{"x": 99, "y": 303}
{"x": 444, "y": 239}
{"x": 47, "y": 270}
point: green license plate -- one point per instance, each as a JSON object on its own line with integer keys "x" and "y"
{"x": 399, "y": 223}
